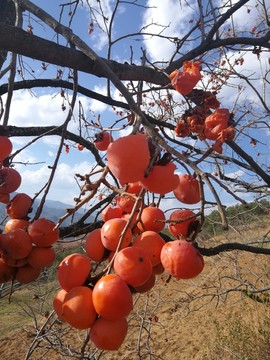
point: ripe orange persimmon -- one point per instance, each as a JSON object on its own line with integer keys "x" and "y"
{"x": 128, "y": 158}
{"x": 112, "y": 298}
{"x": 133, "y": 266}
{"x": 19, "y": 206}
{"x": 16, "y": 244}
{"x": 111, "y": 231}
{"x": 6, "y": 272}
{"x": 41, "y": 257}
{"x": 148, "y": 285}
{"x": 181, "y": 259}
{"x": 125, "y": 203}
{"x": 161, "y": 179}
{"x": 10, "y": 180}
{"x": 215, "y": 123}
{"x": 73, "y": 271}
{"x": 14, "y": 262}
{"x": 152, "y": 219}
{"x": 188, "y": 190}
{"x": 12, "y": 224}
{"x": 108, "y": 334}
{"x": 111, "y": 212}
{"x": 134, "y": 188}
{"x": 43, "y": 232}
{"x": 93, "y": 246}
{"x": 5, "y": 147}
{"x": 103, "y": 140}
{"x": 58, "y": 301}
{"x": 27, "y": 273}
{"x": 184, "y": 81}
{"x": 152, "y": 243}
{"x": 78, "y": 309}
{"x": 181, "y": 228}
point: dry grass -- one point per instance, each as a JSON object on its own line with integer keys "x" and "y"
{"x": 207, "y": 318}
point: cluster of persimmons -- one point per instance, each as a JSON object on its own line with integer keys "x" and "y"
{"x": 25, "y": 248}
{"x": 129, "y": 247}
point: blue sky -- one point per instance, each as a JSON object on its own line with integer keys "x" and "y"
{"x": 43, "y": 106}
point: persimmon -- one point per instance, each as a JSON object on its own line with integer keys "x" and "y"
{"x": 128, "y": 158}
{"x": 93, "y": 246}
{"x": 5, "y": 147}
{"x": 181, "y": 228}
{"x": 152, "y": 243}
{"x": 215, "y": 123}
{"x": 133, "y": 223}
{"x": 58, "y": 301}
{"x": 16, "y": 244}
{"x": 134, "y": 188}
{"x": 10, "y": 180}
{"x": 111, "y": 212}
{"x": 188, "y": 190}
{"x": 181, "y": 259}
{"x": 184, "y": 81}
{"x": 103, "y": 140}
{"x": 182, "y": 129}
{"x": 73, "y": 271}
{"x": 43, "y": 233}
{"x": 12, "y": 224}
{"x": 78, "y": 309}
{"x": 41, "y": 257}
{"x": 112, "y": 298}
{"x": 147, "y": 286}
{"x": 4, "y": 198}
{"x": 6, "y": 272}
{"x": 125, "y": 203}
{"x": 108, "y": 334}
{"x": 19, "y": 206}
{"x": 26, "y": 274}
{"x": 133, "y": 266}
{"x": 111, "y": 232}
{"x": 14, "y": 262}
{"x": 161, "y": 179}
{"x": 152, "y": 218}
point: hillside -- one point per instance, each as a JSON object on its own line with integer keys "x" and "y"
{"x": 208, "y": 318}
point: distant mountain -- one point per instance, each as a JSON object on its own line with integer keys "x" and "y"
{"x": 52, "y": 210}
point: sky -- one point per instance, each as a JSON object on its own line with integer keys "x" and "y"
{"x": 44, "y": 106}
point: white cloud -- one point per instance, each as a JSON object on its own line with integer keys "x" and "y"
{"x": 171, "y": 14}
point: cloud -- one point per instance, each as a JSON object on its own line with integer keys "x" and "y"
{"x": 168, "y": 18}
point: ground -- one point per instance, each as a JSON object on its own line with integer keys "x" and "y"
{"x": 210, "y": 317}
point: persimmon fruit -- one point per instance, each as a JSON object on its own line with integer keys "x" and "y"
{"x": 147, "y": 286}
{"x": 186, "y": 217}
{"x": 111, "y": 212}
{"x": 16, "y": 244}
{"x": 12, "y": 224}
{"x": 133, "y": 266}
{"x": 151, "y": 243}
{"x": 108, "y": 334}
{"x": 111, "y": 231}
{"x": 6, "y": 272}
{"x": 27, "y": 274}
{"x": 128, "y": 158}
{"x": 112, "y": 298}
{"x": 43, "y": 233}
{"x": 19, "y": 206}
{"x": 161, "y": 179}
{"x": 5, "y": 147}
{"x": 188, "y": 190}
{"x": 41, "y": 257}
{"x": 10, "y": 180}
{"x": 152, "y": 218}
{"x": 58, "y": 301}
{"x": 103, "y": 140}
{"x": 78, "y": 309}
{"x": 73, "y": 271}
{"x": 93, "y": 246}
{"x": 181, "y": 259}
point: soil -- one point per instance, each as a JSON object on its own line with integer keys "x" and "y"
{"x": 210, "y": 317}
